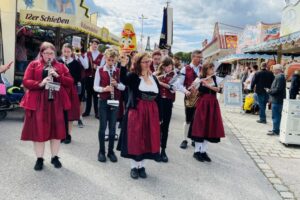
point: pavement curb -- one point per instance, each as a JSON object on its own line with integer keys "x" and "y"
{"x": 267, "y": 171}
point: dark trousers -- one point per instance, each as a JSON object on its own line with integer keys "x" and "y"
{"x": 66, "y": 121}
{"x": 276, "y": 117}
{"x": 262, "y": 103}
{"x": 166, "y": 106}
{"x": 90, "y": 93}
{"x": 107, "y": 114}
{"x": 189, "y": 114}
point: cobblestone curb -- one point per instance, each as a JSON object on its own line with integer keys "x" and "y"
{"x": 268, "y": 172}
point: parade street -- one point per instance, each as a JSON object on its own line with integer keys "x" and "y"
{"x": 231, "y": 175}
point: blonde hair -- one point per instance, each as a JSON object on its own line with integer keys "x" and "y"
{"x": 111, "y": 53}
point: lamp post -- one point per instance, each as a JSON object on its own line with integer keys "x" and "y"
{"x": 142, "y": 18}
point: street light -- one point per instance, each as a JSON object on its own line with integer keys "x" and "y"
{"x": 142, "y": 18}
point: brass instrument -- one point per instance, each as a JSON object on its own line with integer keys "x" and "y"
{"x": 51, "y": 86}
{"x": 191, "y": 100}
{"x": 112, "y": 102}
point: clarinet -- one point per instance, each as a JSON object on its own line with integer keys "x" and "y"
{"x": 50, "y": 91}
{"x": 112, "y": 93}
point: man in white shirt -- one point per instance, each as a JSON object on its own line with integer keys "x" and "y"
{"x": 187, "y": 76}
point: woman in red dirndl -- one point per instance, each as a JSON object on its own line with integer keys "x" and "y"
{"x": 207, "y": 125}
{"x": 140, "y": 133}
{"x": 75, "y": 70}
{"x": 44, "y": 117}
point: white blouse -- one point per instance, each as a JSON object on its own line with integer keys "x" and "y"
{"x": 148, "y": 88}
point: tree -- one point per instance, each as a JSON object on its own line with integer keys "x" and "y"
{"x": 184, "y": 56}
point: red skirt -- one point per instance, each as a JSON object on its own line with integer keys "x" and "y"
{"x": 47, "y": 121}
{"x": 143, "y": 129}
{"x": 74, "y": 112}
{"x": 207, "y": 123}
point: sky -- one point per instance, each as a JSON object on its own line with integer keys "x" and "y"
{"x": 193, "y": 19}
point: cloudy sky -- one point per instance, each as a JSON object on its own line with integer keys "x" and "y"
{"x": 193, "y": 19}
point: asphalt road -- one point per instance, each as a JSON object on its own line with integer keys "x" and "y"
{"x": 232, "y": 174}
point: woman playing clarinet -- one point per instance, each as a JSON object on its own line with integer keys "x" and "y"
{"x": 45, "y": 104}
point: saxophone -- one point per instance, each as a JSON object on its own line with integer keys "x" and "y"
{"x": 112, "y": 102}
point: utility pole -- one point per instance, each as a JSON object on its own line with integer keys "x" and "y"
{"x": 142, "y": 36}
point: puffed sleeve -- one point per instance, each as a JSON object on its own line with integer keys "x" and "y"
{"x": 29, "y": 81}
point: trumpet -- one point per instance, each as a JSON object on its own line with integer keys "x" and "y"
{"x": 112, "y": 102}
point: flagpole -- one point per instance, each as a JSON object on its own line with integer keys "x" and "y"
{"x": 142, "y": 18}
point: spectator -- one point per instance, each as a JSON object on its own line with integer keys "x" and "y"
{"x": 295, "y": 85}
{"x": 262, "y": 79}
{"x": 277, "y": 94}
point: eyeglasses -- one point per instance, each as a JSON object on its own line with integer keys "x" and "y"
{"x": 48, "y": 53}
{"x": 145, "y": 62}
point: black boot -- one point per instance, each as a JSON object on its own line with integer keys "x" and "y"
{"x": 163, "y": 155}
{"x": 39, "y": 164}
{"x": 68, "y": 139}
{"x": 55, "y": 161}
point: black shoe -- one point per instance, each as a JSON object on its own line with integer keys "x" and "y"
{"x": 80, "y": 124}
{"x": 193, "y": 143}
{"x": 101, "y": 157}
{"x": 56, "y": 162}
{"x": 142, "y": 172}
{"x": 68, "y": 139}
{"x": 205, "y": 157}
{"x": 39, "y": 164}
{"x": 157, "y": 158}
{"x": 97, "y": 116}
{"x": 163, "y": 156}
{"x": 183, "y": 144}
{"x": 271, "y": 133}
{"x": 112, "y": 157}
{"x": 85, "y": 114}
{"x": 134, "y": 173}
{"x": 198, "y": 156}
{"x": 261, "y": 121}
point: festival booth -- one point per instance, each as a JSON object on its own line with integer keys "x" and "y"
{"x": 46, "y": 20}
{"x": 288, "y": 44}
{"x": 223, "y": 43}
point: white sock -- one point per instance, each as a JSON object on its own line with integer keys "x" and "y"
{"x": 142, "y": 163}
{"x": 204, "y": 146}
{"x": 134, "y": 164}
{"x": 197, "y": 146}
{"x": 186, "y": 127}
{"x": 81, "y": 118}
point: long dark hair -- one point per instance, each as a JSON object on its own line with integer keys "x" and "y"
{"x": 164, "y": 63}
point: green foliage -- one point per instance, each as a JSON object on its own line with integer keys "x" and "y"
{"x": 185, "y": 57}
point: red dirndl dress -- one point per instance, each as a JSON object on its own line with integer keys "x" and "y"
{"x": 74, "y": 112}
{"x": 44, "y": 119}
{"x": 140, "y": 134}
{"x": 207, "y": 123}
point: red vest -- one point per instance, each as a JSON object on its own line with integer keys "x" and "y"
{"x": 91, "y": 71}
{"x": 190, "y": 76}
{"x": 105, "y": 81}
{"x": 164, "y": 92}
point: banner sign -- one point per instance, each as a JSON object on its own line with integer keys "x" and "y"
{"x": 233, "y": 94}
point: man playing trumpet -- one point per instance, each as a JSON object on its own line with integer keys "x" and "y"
{"x": 188, "y": 74}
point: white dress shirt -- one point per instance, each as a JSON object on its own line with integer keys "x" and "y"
{"x": 179, "y": 84}
{"x": 97, "y": 86}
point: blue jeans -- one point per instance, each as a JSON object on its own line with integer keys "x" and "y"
{"x": 276, "y": 117}
{"x": 107, "y": 114}
{"x": 262, "y": 103}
